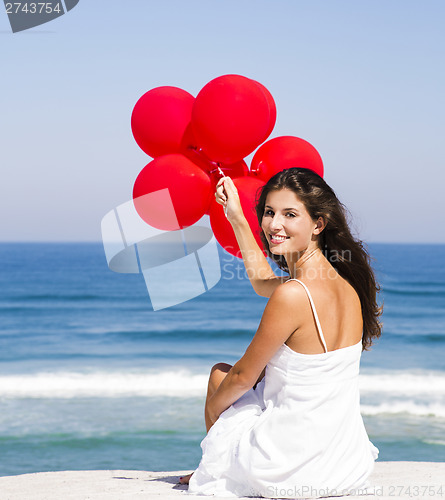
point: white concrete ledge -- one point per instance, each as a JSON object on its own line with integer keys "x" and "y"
{"x": 392, "y": 480}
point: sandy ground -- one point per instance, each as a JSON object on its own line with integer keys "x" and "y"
{"x": 391, "y": 480}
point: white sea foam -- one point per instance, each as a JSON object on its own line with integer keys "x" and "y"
{"x": 440, "y": 442}
{"x": 61, "y": 385}
{"x": 404, "y": 383}
{"x": 407, "y": 407}
{"x": 419, "y": 394}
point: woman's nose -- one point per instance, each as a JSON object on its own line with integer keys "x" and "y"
{"x": 276, "y": 222}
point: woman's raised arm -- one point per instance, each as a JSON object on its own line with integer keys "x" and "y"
{"x": 259, "y": 272}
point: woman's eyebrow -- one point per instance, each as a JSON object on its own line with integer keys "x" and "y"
{"x": 291, "y": 208}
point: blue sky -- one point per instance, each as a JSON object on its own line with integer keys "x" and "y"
{"x": 362, "y": 81}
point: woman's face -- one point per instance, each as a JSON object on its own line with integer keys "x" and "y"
{"x": 287, "y": 225}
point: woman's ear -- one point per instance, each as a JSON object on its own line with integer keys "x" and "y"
{"x": 320, "y": 225}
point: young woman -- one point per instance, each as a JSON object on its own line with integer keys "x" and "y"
{"x": 285, "y": 420}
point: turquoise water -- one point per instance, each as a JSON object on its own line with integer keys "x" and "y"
{"x": 92, "y": 378}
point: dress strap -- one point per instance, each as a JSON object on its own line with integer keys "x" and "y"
{"x": 317, "y": 321}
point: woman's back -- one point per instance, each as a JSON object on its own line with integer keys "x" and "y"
{"x": 339, "y": 312}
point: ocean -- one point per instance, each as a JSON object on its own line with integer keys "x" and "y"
{"x": 92, "y": 378}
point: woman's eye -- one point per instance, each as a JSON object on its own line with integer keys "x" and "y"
{"x": 268, "y": 212}
{"x": 290, "y": 214}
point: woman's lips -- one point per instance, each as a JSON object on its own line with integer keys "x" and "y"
{"x": 276, "y": 240}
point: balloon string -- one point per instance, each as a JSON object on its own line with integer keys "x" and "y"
{"x": 218, "y": 170}
{"x": 212, "y": 166}
{"x": 221, "y": 173}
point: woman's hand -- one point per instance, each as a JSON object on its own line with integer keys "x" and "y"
{"x": 226, "y": 195}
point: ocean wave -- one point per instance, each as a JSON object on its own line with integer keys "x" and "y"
{"x": 66, "y": 385}
{"x": 416, "y": 337}
{"x": 439, "y": 442}
{"x": 382, "y": 388}
{"x": 50, "y": 297}
{"x": 212, "y": 332}
{"x": 420, "y": 290}
{"x": 403, "y": 392}
{"x": 407, "y": 407}
{"x": 415, "y": 283}
{"x": 403, "y": 383}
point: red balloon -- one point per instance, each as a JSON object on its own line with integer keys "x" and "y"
{"x": 191, "y": 149}
{"x": 285, "y": 152}
{"x": 193, "y": 152}
{"x": 159, "y": 120}
{"x": 248, "y": 190}
{"x": 216, "y": 170}
{"x": 272, "y": 109}
{"x": 238, "y": 169}
{"x": 178, "y": 192}
{"x": 188, "y": 140}
{"x": 230, "y": 118}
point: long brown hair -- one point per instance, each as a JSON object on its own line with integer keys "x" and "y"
{"x": 348, "y": 255}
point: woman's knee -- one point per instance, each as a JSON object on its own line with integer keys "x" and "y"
{"x": 217, "y": 375}
{"x": 220, "y": 368}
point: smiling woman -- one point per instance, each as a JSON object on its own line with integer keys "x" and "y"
{"x": 320, "y": 226}
{"x": 286, "y": 416}
{"x": 286, "y": 218}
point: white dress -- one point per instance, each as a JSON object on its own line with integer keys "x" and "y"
{"x": 298, "y": 434}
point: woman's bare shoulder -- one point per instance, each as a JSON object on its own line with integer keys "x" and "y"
{"x": 289, "y": 289}
{"x": 266, "y": 287}
{"x": 293, "y": 293}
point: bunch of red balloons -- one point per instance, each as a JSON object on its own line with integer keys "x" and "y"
{"x": 196, "y": 140}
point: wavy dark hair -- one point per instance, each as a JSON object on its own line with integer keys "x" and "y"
{"x": 348, "y": 255}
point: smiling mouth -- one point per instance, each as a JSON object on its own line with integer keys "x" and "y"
{"x": 276, "y": 240}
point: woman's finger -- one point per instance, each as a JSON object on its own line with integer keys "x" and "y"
{"x": 220, "y": 197}
{"x": 220, "y": 189}
{"x": 230, "y": 188}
